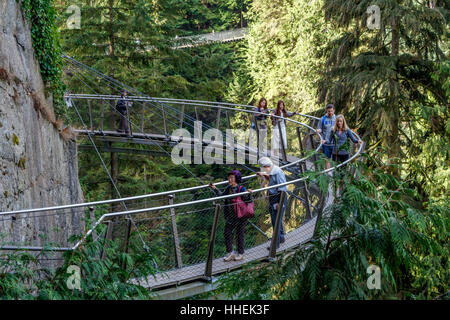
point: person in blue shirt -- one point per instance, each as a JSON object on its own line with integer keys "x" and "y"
{"x": 231, "y": 218}
{"x": 325, "y": 127}
{"x": 274, "y": 175}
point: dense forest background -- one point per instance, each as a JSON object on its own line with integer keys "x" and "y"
{"x": 391, "y": 83}
{"x": 307, "y": 53}
{"x": 107, "y": 42}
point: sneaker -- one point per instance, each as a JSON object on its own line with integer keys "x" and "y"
{"x": 239, "y": 257}
{"x": 229, "y": 257}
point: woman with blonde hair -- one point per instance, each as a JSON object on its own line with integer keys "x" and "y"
{"x": 339, "y": 138}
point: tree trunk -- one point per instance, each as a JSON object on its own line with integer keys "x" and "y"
{"x": 392, "y": 139}
{"x": 114, "y": 157}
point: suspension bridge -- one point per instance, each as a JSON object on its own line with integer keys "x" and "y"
{"x": 182, "y": 228}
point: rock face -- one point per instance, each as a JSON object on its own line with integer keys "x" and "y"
{"x": 38, "y": 168}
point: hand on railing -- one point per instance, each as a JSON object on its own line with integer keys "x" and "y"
{"x": 212, "y": 186}
{"x": 263, "y": 174}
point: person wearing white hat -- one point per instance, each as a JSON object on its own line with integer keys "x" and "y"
{"x": 274, "y": 175}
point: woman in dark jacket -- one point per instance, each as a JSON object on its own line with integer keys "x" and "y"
{"x": 339, "y": 137}
{"x": 260, "y": 125}
{"x": 231, "y": 219}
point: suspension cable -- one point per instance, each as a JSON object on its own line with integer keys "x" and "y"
{"x": 109, "y": 175}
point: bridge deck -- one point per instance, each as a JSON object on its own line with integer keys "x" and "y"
{"x": 260, "y": 252}
{"x": 156, "y": 139}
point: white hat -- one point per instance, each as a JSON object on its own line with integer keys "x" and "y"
{"x": 265, "y": 162}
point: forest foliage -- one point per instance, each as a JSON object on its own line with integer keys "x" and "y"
{"x": 392, "y": 85}
{"x": 372, "y": 223}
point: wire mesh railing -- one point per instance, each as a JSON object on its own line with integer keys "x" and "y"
{"x": 185, "y": 229}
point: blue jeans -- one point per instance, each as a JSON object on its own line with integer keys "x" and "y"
{"x": 273, "y": 200}
{"x": 327, "y": 150}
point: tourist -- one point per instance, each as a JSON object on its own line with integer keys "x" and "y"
{"x": 279, "y": 124}
{"x": 325, "y": 127}
{"x": 274, "y": 175}
{"x": 122, "y": 108}
{"x": 339, "y": 138}
{"x": 231, "y": 218}
{"x": 259, "y": 123}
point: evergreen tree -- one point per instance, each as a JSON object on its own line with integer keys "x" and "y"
{"x": 372, "y": 224}
{"x": 380, "y": 76}
{"x": 284, "y": 42}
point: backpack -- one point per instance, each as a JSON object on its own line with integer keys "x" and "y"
{"x": 242, "y": 209}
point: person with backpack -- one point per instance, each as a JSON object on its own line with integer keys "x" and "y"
{"x": 274, "y": 175}
{"x": 339, "y": 138}
{"x": 232, "y": 221}
{"x": 325, "y": 127}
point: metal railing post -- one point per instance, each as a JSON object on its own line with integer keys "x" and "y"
{"x": 127, "y": 234}
{"x": 196, "y": 114}
{"x": 176, "y": 240}
{"x": 182, "y": 116}
{"x": 112, "y": 116}
{"x": 102, "y": 115}
{"x": 276, "y": 228}
{"x": 164, "y": 120}
{"x": 283, "y": 147}
{"x": 257, "y": 136}
{"x": 228, "y": 120}
{"x": 90, "y": 115}
{"x": 93, "y": 221}
{"x": 314, "y": 157}
{"x": 212, "y": 240}
{"x": 218, "y": 119}
{"x": 127, "y": 118}
{"x": 319, "y": 216}
{"x": 303, "y": 168}
{"x": 108, "y": 237}
{"x": 142, "y": 117}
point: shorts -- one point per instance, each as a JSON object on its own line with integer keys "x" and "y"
{"x": 327, "y": 150}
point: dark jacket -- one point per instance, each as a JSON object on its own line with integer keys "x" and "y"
{"x": 228, "y": 209}
{"x": 338, "y": 140}
{"x": 121, "y": 105}
{"x": 261, "y": 116}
